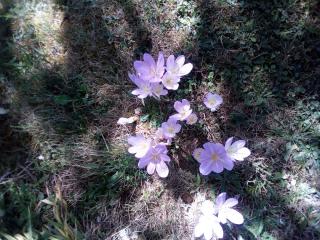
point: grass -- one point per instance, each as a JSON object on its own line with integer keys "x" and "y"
{"x": 64, "y": 169}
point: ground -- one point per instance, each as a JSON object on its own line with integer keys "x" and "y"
{"x": 65, "y": 172}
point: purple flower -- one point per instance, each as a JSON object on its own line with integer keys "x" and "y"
{"x": 177, "y": 67}
{"x": 236, "y": 150}
{"x": 155, "y": 160}
{"x": 224, "y": 209}
{"x": 192, "y": 119}
{"x": 140, "y": 145}
{"x": 144, "y": 88}
{"x": 208, "y": 224}
{"x": 214, "y": 159}
{"x": 213, "y": 101}
{"x": 158, "y": 90}
{"x": 183, "y": 109}
{"x": 170, "y": 128}
{"x": 170, "y": 81}
{"x": 148, "y": 69}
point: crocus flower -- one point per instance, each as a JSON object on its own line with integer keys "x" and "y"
{"x": 224, "y": 209}
{"x": 148, "y": 69}
{"x": 144, "y": 88}
{"x": 170, "y": 128}
{"x": 170, "y": 81}
{"x": 155, "y": 160}
{"x": 124, "y": 121}
{"x": 214, "y": 159}
{"x": 183, "y": 109}
{"x": 140, "y": 145}
{"x": 213, "y": 101}
{"x": 236, "y": 150}
{"x": 177, "y": 67}
{"x": 192, "y": 119}
{"x": 197, "y": 153}
{"x": 158, "y": 90}
{"x": 208, "y": 224}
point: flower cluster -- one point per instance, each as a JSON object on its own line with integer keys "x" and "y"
{"x": 214, "y": 157}
{"x": 152, "y": 153}
{"x": 155, "y": 78}
{"x": 212, "y": 216}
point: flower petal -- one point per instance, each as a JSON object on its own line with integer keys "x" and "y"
{"x": 234, "y": 216}
{"x": 143, "y": 162}
{"x": 217, "y": 167}
{"x": 242, "y": 153}
{"x": 162, "y": 169}
{"x": 205, "y": 167}
{"x": 151, "y": 167}
{"x": 221, "y": 198}
{"x": 186, "y": 69}
{"x": 230, "y": 202}
{"x": 198, "y": 231}
{"x": 149, "y": 59}
{"x": 217, "y": 229}
{"x": 180, "y": 60}
{"x": 239, "y": 144}
{"x": 227, "y": 163}
{"x": 228, "y": 143}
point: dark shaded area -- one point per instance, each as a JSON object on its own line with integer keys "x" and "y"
{"x": 257, "y": 46}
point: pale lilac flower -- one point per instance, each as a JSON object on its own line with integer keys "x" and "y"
{"x": 155, "y": 160}
{"x": 214, "y": 159}
{"x": 170, "y": 128}
{"x": 144, "y": 88}
{"x": 158, "y": 90}
{"x": 236, "y": 150}
{"x": 213, "y": 101}
{"x": 192, "y": 119}
{"x": 208, "y": 224}
{"x": 140, "y": 145}
{"x": 183, "y": 109}
{"x": 170, "y": 81}
{"x": 197, "y": 153}
{"x": 224, "y": 209}
{"x": 177, "y": 67}
{"x": 148, "y": 69}
{"x": 124, "y": 121}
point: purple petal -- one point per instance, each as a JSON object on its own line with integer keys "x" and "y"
{"x": 160, "y": 62}
{"x": 217, "y": 167}
{"x": 151, "y": 167}
{"x": 221, "y": 198}
{"x": 228, "y": 143}
{"x": 143, "y": 162}
{"x": 162, "y": 169}
{"x": 170, "y": 62}
{"x": 205, "y": 167}
{"x": 230, "y": 202}
{"x": 178, "y": 106}
{"x": 227, "y": 163}
{"x": 165, "y": 158}
{"x": 180, "y": 60}
{"x": 149, "y": 59}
